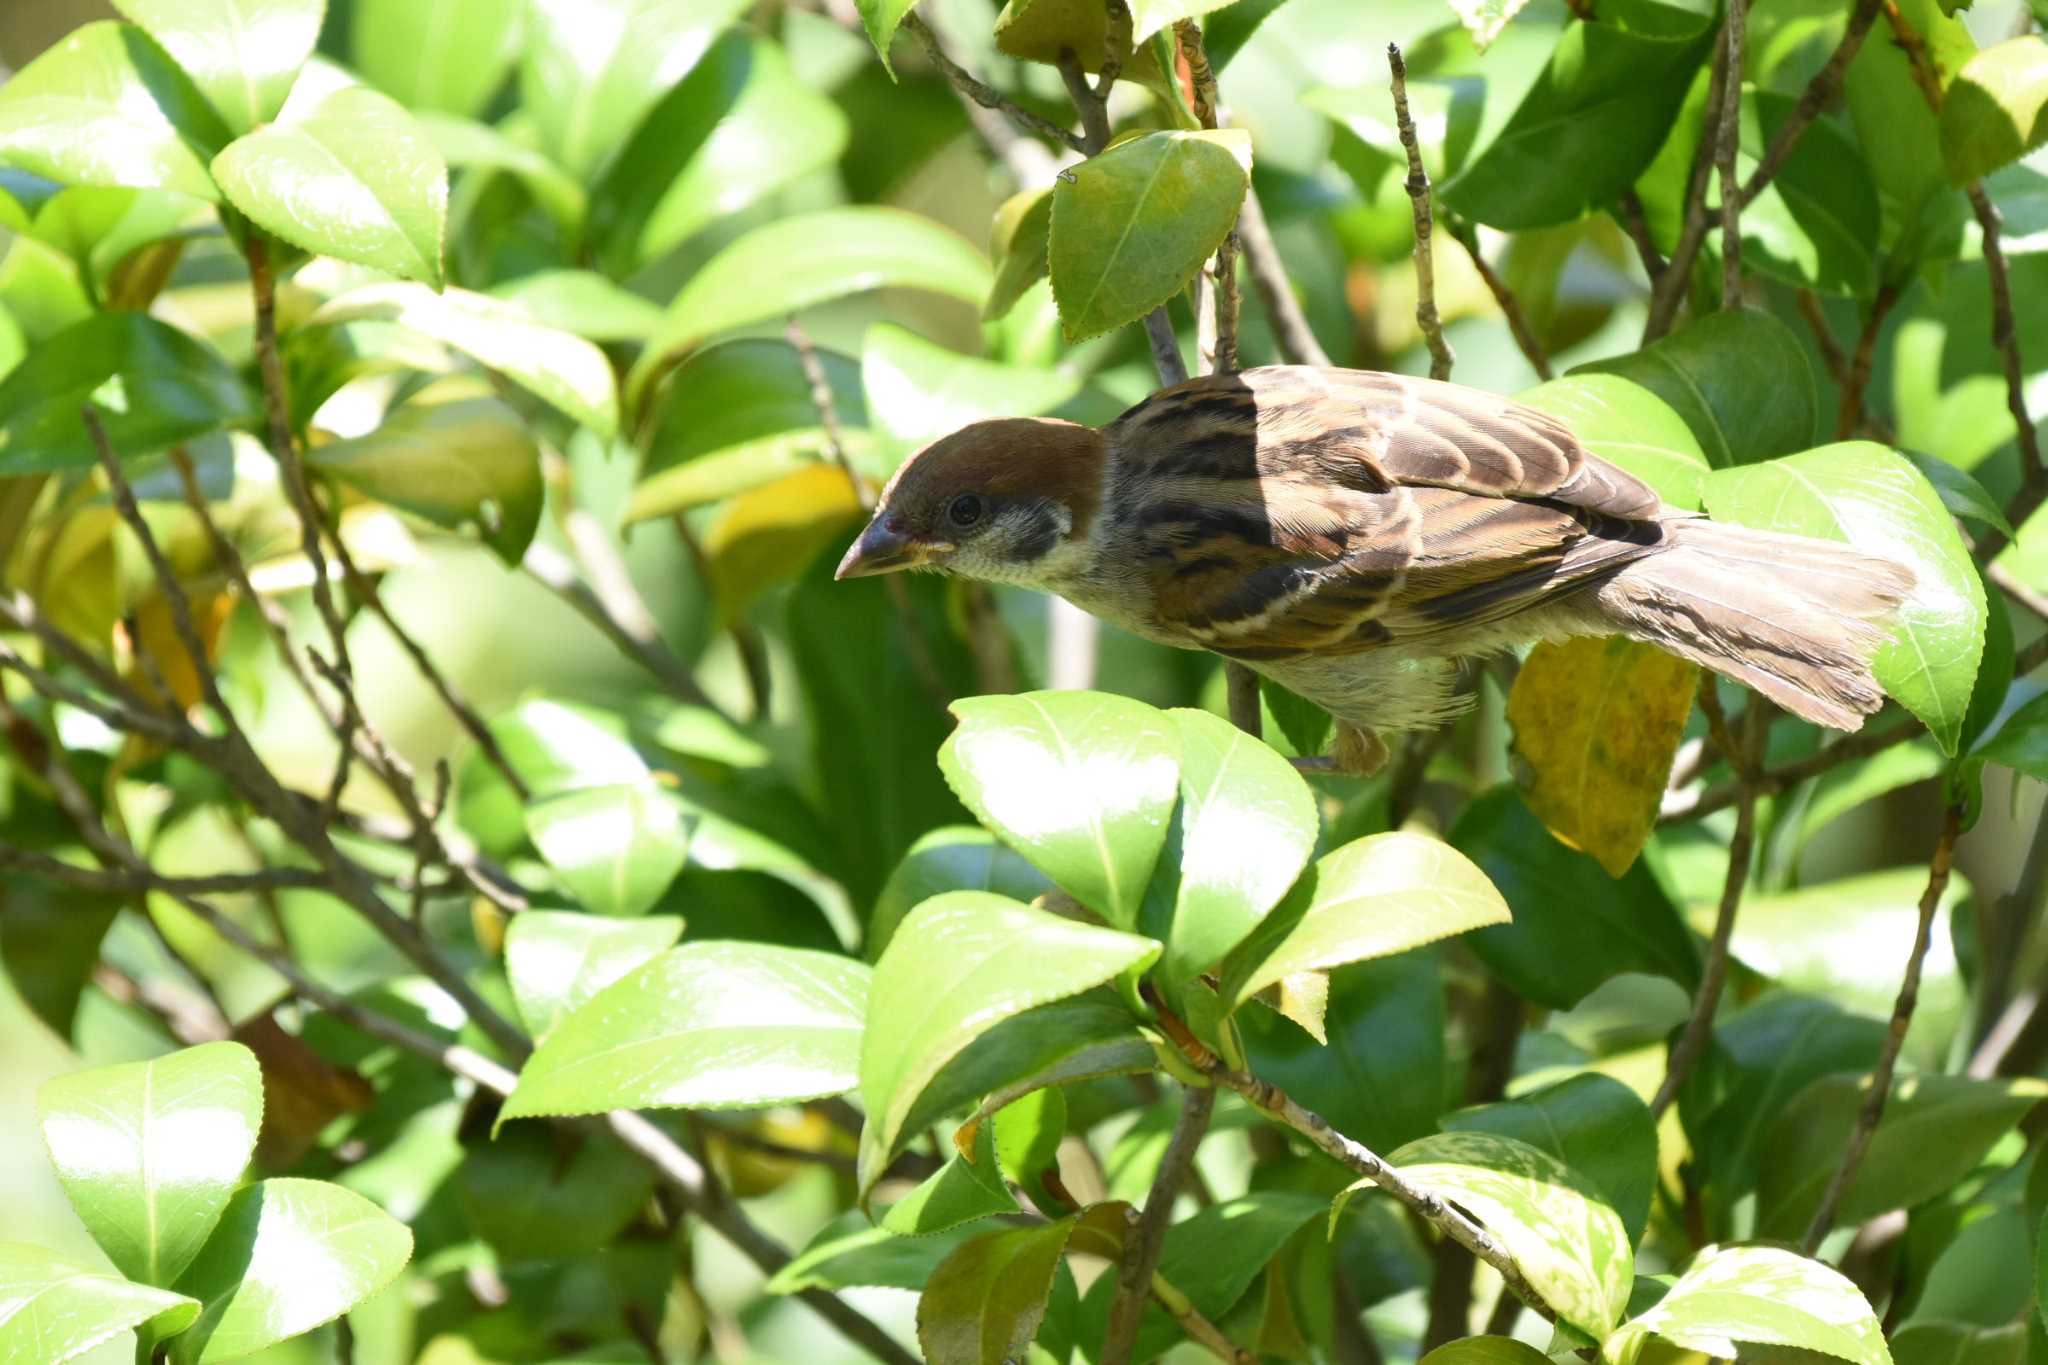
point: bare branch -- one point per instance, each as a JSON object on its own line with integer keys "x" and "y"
{"x": 1197, "y": 1328}
{"x": 1771, "y": 781}
{"x": 118, "y": 882}
{"x": 633, "y": 634}
{"x": 1510, "y": 306}
{"x": 1145, "y": 1238}
{"x": 1725, "y": 146}
{"x": 1441, "y": 357}
{"x": 1297, "y": 341}
{"x": 1872, "y": 1112}
{"x": 1818, "y": 95}
{"x": 1630, "y": 210}
{"x": 1676, "y": 278}
{"x": 982, "y": 93}
{"x": 1856, "y": 378}
{"x": 2005, "y": 339}
{"x": 1823, "y": 335}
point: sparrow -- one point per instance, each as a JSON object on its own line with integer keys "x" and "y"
{"x": 1354, "y": 535}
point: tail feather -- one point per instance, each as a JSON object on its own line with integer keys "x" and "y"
{"x": 1797, "y": 619}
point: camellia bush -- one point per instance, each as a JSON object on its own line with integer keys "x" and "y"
{"x": 501, "y": 901}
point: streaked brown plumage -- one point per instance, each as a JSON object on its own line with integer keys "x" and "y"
{"x": 1352, "y": 534}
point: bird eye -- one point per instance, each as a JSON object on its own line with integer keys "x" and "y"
{"x": 965, "y": 511}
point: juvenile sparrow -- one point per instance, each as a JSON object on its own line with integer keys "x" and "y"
{"x": 1353, "y": 534}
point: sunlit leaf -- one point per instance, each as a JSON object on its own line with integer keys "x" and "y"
{"x": 968, "y": 1187}
{"x": 769, "y": 535}
{"x": 52, "y": 1309}
{"x": 557, "y": 961}
{"x": 615, "y": 848}
{"x": 1593, "y": 1124}
{"x": 1760, "y": 1295}
{"x": 1995, "y": 110}
{"x": 244, "y": 54}
{"x": 1625, "y": 424}
{"x": 1739, "y": 378}
{"x": 452, "y": 55}
{"x": 951, "y": 858}
{"x": 917, "y": 391}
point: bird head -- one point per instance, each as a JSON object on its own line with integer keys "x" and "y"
{"x": 1006, "y": 500}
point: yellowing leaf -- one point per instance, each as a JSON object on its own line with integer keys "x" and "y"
{"x": 156, "y": 640}
{"x": 769, "y": 533}
{"x": 1597, "y": 722}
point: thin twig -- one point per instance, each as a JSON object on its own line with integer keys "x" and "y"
{"x": 1291, "y": 332}
{"x": 116, "y": 882}
{"x": 1196, "y": 1327}
{"x": 1504, "y": 297}
{"x": 1441, "y": 356}
{"x": 1818, "y": 95}
{"x": 1146, "y": 1236}
{"x": 1823, "y": 335}
{"x": 1872, "y": 1111}
{"x": 1725, "y": 146}
{"x": 982, "y": 93}
{"x": 633, "y": 636}
{"x": 1671, "y": 286}
{"x": 1637, "y": 222}
{"x": 2004, "y": 337}
{"x": 1771, "y": 781}
{"x": 1856, "y": 379}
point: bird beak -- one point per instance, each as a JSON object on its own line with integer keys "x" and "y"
{"x": 882, "y": 550}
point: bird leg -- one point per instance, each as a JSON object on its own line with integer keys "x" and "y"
{"x": 1358, "y": 752}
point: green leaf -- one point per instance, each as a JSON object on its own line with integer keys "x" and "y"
{"x": 798, "y": 262}
{"x": 1593, "y": 1124}
{"x": 960, "y": 964}
{"x": 1934, "y": 1131}
{"x": 1068, "y": 1040}
{"x": 593, "y": 68}
{"x": 98, "y": 227}
{"x": 289, "y": 1256}
{"x": 1244, "y": 829}
{"x": 963, "y": 1190}
{"x": 951, "y": 858}
{"x": 152, "y": 385}
{"x": 1959, "y": 1343}
{"x": 346, "y": 174}
{"x": 985, "y": 1301}
{"x": 52, "y": 1309}
{"x": 1080, "y": 783}
{"x": 149, "y": 1152}
{"x": 714, "y": 1025}
{"x": 581, "y": 302}
{"x": 1380, "y": 1077}
{"x": 1132, "y": 226}
{"x": 738, "y": 416}
{"x": 917, "y": 391}
{"x": 616, "y": 848}
{"x": 849, "y": 1252}
{"x": 1628, "y": 425}
{"x": 2021, "y": 743}
{"x": 1758, "y": 1295}
{"x": 536, "y": 1195}
{"x": 1485, "y": 1351}
{"x": 1017, "y": 240}
{"x": 450, "y": 56}
{"x": 49, "y": 944}
{"x": 1028, "y": 1133}
{"x": 1574, "y": 926}
{"x": 1586, "y": 129}
{"x": 243, "y": 54}
{"x": 1562, "y": 1232}
{"x": 881, "y": 18}
{"x": 106, "y": 106}
{"x": 558, "y": 961}
{"x": 1739, "y": 378}
{"x": 1960, "y": 493}
{"x": 1873, "y": 498}
{"x": 465, "y": 143}
{"x": 1995, "y": 110}
{"x": 555, "y": 366}
{"x": 1816, "y": 223}
{"x": 559, "y": 746}
{"x": 1891, "y": 117}
{"x": 460, "y": 462}
{"x": 1374, "y": 897}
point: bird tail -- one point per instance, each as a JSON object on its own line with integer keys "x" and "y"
{"x": 1795, "y": 618}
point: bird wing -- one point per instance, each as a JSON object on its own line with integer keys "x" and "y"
{"x": 1290, "y": 509}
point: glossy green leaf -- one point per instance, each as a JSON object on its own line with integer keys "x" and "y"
{"x": 106, "y": 106}
{"x": 1959, "y": 1343}
{"x": 152, "y": 385}
{"x": 1817, "y": 222}
{"x": 737, "y": 416}
{"x": 149, "y": 1152}
{"x": 289, "y": 1255}
{"x": 346, "y": 174}
{"x": 1628, "y": 425}
{"x": 243, "y": 54}
{"x": 593, "y": 68}
{"x": 918, "y": 391}
{"x": 1560, "y": 1229}
{"x": 1995, "y": 110}
{"x": 1028, "y": 1133}
{"x": 558, "y": 367}
{"x": 1485, "y": 1351}
{"x": 985, "y": 1301}
{"x": 808, "y": 259}
{"x": 1740, "y": 379}
{"x": 1772, "y": 1051}
{"x": 1891, "y": 115}
{"x": 1132, "y": 226}
{"x": 1760, "y": 1295}
{"x": 1593, "y": 1124}
{"x": 1574, "y": 926}
{"x": 713, "y": 1025}
{"x": 1068, "y": 1040}
{"x": 536, "y": 1195}
{"x": 1242, "y": 833}
{"x": 2021, "y": 742}
{"x": 849, "y": 1251}
{"x": 1017, "y": 244}
{"x": 558, "y": 746}
{"x": 1374, "y": 897}
{"x": 963, "y": 1190}
{"x": 1873, "y": 498}
{"x": 99, "y": 227}
{"x": 960, "y": 964}
{"x": 1934, "y": 1131}
{"x": 952, "y": 858}
{"x": 1585, "y": 130}
{"x": 1961, "y": 493}
{"x": 52, "y": 1309}
{"x": 1380, "y": 1077}
{"x": 452, "y": 55}
{"x": 581, "y": 302}
{"x": 557, "y": 961}
{"x": 1081, "y": 783}
{"x": 881, "y": 18}
{"x": 466, "y": 144}
{"x": 461, "y": 462}
{"x": 615, "y": 849}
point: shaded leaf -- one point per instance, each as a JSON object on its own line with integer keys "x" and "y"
{"x": 1017, "y": 244}
{"x": 849, "y": 1251}
{"x": 1597, "y": 722}
{"x": 557, "y": 961}
{"x": 52, "y": 1309}
{"x": 713, "y": 1025}
{"x": 2021, "y": 742}
{"x": 1080, "y": 783}
{"x": 536, "y": 1195}
{"x": 1131, "y": 227}
{"x": 243, "y": 54}
{"x": 150, "y": 1152}
{"x": 968, "y": 1187}
{"x": 1484, "y": 1351}
{"x": 770, "y": 534}
{"x": 985, "y": 1301}
{"x": 1817, "y": 222}
{"x": 1739, "y": 378}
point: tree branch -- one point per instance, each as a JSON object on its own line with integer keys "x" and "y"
{"x": 1510, "y": 306}
{"x": 1146, "y": 1236}
{"x": 1296, "y": 339}
{"x": 982, "y": 93}
{"x": 1724, "y": 156}
{"x": 1441, "y": 356}
{"x": 1769, "y": 782}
